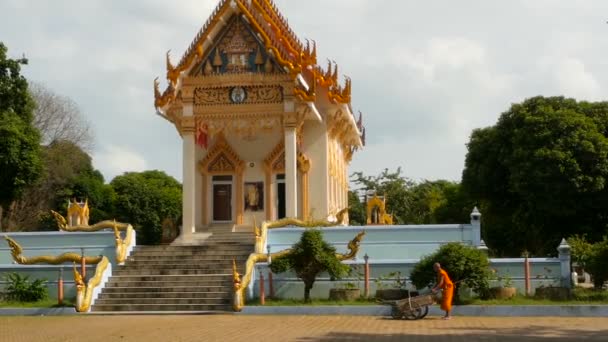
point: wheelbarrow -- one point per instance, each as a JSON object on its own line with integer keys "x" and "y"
{"x": 411, "y": 308}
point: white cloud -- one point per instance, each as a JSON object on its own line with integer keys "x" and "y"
{"x": 114, "y": 160}
{"x": 424, "y": 73}
{"x": 574, "y": 79}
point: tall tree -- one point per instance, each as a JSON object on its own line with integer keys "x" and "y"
{"x": 68, "y": 174}
{"x": 357, "y": 214}
{"x": 60, "y": 119}
{"x": 541, "y": 174}
{"x": 20, "y": 163}
{"x": 146, "y": 199}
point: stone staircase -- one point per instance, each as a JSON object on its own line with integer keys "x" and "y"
{"x": 178, "y": 278}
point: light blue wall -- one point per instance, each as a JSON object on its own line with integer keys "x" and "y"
{"x": 54, "y": 244}
{"x": 396, "y": 249}
{"x": 382, "y": 242}
{"x": 543, "y": 272}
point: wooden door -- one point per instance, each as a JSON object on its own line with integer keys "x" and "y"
{"x": 222, "y": 202}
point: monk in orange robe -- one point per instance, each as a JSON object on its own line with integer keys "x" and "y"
{"x": 444, "y": 283}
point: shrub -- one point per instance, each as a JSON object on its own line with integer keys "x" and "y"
{"x": 20, "y": 288}
{"x": 592, "y": 257}
{"x": 308, "y": 258}
{"x": 596, "y": 263}
{"x": 464, "y": 264}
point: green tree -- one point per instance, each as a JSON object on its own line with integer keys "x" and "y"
{"x": 145, "y": 199}
{"x": 465, "y": 265}
{"x": 357, "y": 214}
{"x": 456, "y": 207}
{"x": 394, "y": 186}
{"x": 68, "y": 174}
{"x": 540, "y": 174}
{"x": 592, "y": 257}
{"x": 425, "y": 202}
{"x": 20, "y": 163}
{"x": 308, "y": 258}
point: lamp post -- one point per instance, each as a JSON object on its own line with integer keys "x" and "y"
{"x": 366, "y": 258}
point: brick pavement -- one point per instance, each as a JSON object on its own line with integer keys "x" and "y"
{"x": 93, "y": 328}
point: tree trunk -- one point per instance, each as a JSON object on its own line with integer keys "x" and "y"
{"x": 307, "y": 287}
{"x": 1, "y": 220}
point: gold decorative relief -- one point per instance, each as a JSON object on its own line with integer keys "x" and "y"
{"x": 221, "y": 164}
{"x": 246, "y": 95}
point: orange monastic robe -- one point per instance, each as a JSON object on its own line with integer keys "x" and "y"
{"x": 448, "y": 290}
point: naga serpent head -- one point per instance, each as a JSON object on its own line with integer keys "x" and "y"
{"x": 354, "y": 243}
{"x": 78, "y": 278}
{"x": 16, "y": 250}
{"x": 62, "y": 223}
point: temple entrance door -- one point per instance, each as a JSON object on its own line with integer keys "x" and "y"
{"x": 222, "y": 202}
{"x": 281, "y": 203}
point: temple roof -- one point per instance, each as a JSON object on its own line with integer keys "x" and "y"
{"x": 278, "y": 40}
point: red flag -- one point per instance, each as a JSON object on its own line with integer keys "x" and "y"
{"x": 202, "y": 134}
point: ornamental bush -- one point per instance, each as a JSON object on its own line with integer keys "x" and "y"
{"x": 308, "y": 258}
{"x": 21, "y": 289}
{"x": 465, "y": 265}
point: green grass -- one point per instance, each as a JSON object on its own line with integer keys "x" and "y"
{"x": 47, "y": 303}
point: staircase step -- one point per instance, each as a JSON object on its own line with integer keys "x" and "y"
{"x": 185, "y": 262}
{"x": 140, "y": 265}
{"x": 196, "y": 301}
{"x": 157, "y": 289}
{"x": 137, "y": 295}
{"x": 115, "y": 283}
{"x": 173, "y": 278}
{"x": 162, "y": 307}
{"x": 151, "y": 271}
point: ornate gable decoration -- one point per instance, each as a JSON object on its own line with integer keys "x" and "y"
{"x": 238, "y": 51}
{"x": 221, "y": 158}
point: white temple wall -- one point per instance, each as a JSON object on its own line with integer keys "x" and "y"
{"x": 314, "y": 145}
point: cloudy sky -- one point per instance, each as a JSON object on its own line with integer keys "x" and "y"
{"x": 425, "y": 73}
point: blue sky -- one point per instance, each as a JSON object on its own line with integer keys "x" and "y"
{"x": 425, "y": 74}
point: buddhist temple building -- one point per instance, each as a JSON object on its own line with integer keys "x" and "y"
{"x": 267, "y": 132}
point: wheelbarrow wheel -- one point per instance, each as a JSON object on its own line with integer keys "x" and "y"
{"x": 395, "y": 312}
{"x": 413, "y": 314}
{"x": 423, "y": 312}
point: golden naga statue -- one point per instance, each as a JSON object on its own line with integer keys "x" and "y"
{"x": 63, "y": 225}
{"x": 341, "y": 220}
{"x": 16, "y": 251}
{"x": 353, "y": 247}
{"x": 122, "y": 244}
{"x": 84, "y": 292}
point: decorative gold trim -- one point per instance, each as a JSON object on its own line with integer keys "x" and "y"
{"x": 16, "y": 251}
{"x": 62, "y": 223}
{"x": 84, "y": 294}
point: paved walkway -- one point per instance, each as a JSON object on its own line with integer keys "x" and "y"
{"x": 297, "y": 328}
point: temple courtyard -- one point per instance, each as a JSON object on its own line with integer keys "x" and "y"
{"x": 298, "y": 328}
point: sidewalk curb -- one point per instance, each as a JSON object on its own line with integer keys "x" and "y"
{"x": 465, "y": 310}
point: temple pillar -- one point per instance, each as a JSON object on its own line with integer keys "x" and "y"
{"x": 291, "y": 188}
{"x": 188, "y": 176}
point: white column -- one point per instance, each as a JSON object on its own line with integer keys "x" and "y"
{"x": 188, "y": 176}
{"x": 291, "y": 188}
